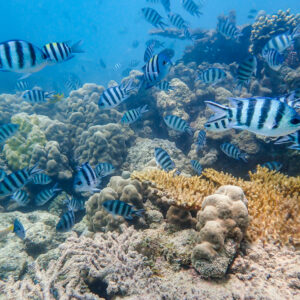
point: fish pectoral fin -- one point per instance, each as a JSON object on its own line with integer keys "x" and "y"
{"x": 26, "y": 75}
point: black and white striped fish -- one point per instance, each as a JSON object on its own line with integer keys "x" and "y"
{"x": 196, "y": 166}
{"x": 72, "y": 83}
{"x": 177, "y": 21}
{"x": 86, "y": 179}
{"x": 228, "y": 29}
{"x": 260, "y": 115}
{"x": 37, "y": 96}
{"x": 66, "y": 222}
{"x": 164, "y": 160}
{"x": 201, "y": 140}
{"x": 20, "y": 197}
{"x": 104, "y": 169}
{"x": 22, "y": 57}
{"x": 2, "y": 174}
{"x": 164, "y": 86}
{"x": 117, "y": 67}
{"x": 16, "y": 180}
{"x": 121, "y": 208}
{"x": 191, "y": 7}
{"x": 115, "y": 95}
{"x": 272, "y": 165}
{"x": 74, "y": 204}
{"x": 133, "y": 115}
{"x": 293, "y": 138}
{"x": 61, "y": 51}
{"x": 153, "y": 17}
{"x": 178, "y": 124}
{"x": 212, "y": 75}
{"x": 7, "y": 131}
{"x": 234, "y": 152}
{"x": 218, "y": 125}
{"x": 246, "y": 70}
{"x": 273, "y": 58}
{"x": 41, "y": 178}
{"x": 148, "y": 53}
{"x": 157, "y": 44}
{"x": 22, "y": 85}
{"x": 282, "y": 41}
{"x": 166, "y": 4}
{"x": 292, "y": 98}
{"x": 46, "y": 195}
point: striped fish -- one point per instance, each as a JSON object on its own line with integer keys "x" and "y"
{"x": 72, "y": 83}
{"x": 178, "y": 124}
{"x": 74, "y": 204}
{"x": 22, "y": 85}
{"x": 148, "y": 53}
{"x": 117, "y": 67}
{"x": 123, "y": 209}
{"x": 2, "y": 174}
{"x": 196, "y": 166}
{"x": 292, "y": 98}
{"x": 7, "y": 131}
{"x": 293, "y": 138}
{"x": 234, "y": 152}
{"x": 166, "y": 4}
{"x": 20, "y": 197}
{"x": 59, "y": 52}
{"x": 16, "y": 180}
{"x": 157, "y": 44}
{"x": 41, "y": 178}
{"x": 133, "y": 115}
{"x": 282, "y": 41}
{"x": 201, "y": 140}
{"x": 164, "y": 86}
{"x": 273, "y": 58}
{"x": 191, "y": 7}
{"x": 260, "y": 115}
{"x": 177, "y": 21}
{"x": 104, "y": 169}
{"x": 46, "y": 195}
{"x": 164, "y": 160}
{"x": 86, "y": 180}
{"x": 212, "y": 75}
{"x": 115, "y": 95}
{"x": 228, "y": 29}
{"x": 272, "y": 165}
{"x": 153, "y": 17}
{"x": 21, "y": 57}
{"x": 16, "y": 228}
{"x": 218, "y": 125}
{"x": 66, "y": 222}
{"x": 37, "y": 96}
{"x": 245, "y": 71}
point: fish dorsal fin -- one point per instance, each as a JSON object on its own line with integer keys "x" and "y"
{"x": 235, "y": 101}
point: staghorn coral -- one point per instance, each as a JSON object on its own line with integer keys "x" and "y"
{"x": 273, "y": 198}
{"x": 268, "y": 26}
{"x": 222, "y": 223}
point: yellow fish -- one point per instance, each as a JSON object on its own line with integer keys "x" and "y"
{"x": 56, "y": 98}
{"x": 17, "y": 228}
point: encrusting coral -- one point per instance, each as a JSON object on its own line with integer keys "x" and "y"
{"x": 273, "y": 198}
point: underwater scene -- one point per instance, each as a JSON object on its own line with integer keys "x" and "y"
{"x": 150, "y": 150}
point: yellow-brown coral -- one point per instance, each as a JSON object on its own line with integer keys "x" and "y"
{"x": 274, "y": 198}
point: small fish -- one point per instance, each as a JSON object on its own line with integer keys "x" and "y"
{"x": 196, "y": 166}
{"x": 2, "y": 174}
{"x": 218, "y": 125}
{"x": 126, "y": 72}
{"x": 292, "y": 99}
{"x": 41, "y": 178}
{"x": 228, "y": 29}
{"x": 246, "y": 70}
{"x": 86, "y": 180}
{"x": 282, "y": 41}
{"x": 178, "y": 124}
{"x": 135, "y": 44}
{"x": 272, "y": 165}
{"x": 148, "y": 53}
{"x": 22, "y": 57}
{"x": 252, "y": 13}
{"x": 212, "y": 75}
{"x": 164, "y": 160}
{"x": 102, "y": 63}
{"x": 104, "y": 169}
{"x": 115, "y": 95}
{"x": 293, "y": 138}
{"x": 56, "y": 98}
{"x": 157, "y": 44}
{"x": 16, "y": 228}
{"x": 121, "y": 208}
{"x": 16, "y": 180}
{"x": 21, "y": 197}
{"x": 153, "y": 17}
{"x": 72, "y": 83}
{"x": 191, "y": 7}
{"x": 164, "y": 86}
{"x": 133, "y": 115}
{"x": 22, "y": 85}
{"x": 117, "y": 67}
{"x": 201, "y": 140}
{"x": 166, "y": 4}
{"x": 7, "y": 131}
{"x": 234, "y": 152}
{"x": 134, "y": 63}
{"x": 273, "y": 58}
{"x": 74, "y": 204}
{"x": 59, "y": 52}
{"x": 46, "y": 195}
{"x": 260, "y": 115}
{"x": 37, "y": 96}
{"x": 177, "y": 21}
{"x": 66, "y": 222}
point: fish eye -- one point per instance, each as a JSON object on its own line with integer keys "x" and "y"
{"x": 79, "y": 182}
{"x": 164, "y": 62}
{"x": 295, "y": 121}
{"x": 207, "y": 125}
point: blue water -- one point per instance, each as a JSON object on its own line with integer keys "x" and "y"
{"x": 107, "y": 29}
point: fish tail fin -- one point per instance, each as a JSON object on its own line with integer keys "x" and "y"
{"x": 138, "y": 212}
{"x": 284, "y": 140}
{"x": 34, "y": 170}
{"x": 294, "y": 147}
{"x": 128, "y": 86}
{"x": 76, "y": 48}
{"x": 144, "y": 109}
{"x": 218, "y": 109}
{"x": 162, "y": 25}
{"x": 190, "y": 130}
{"x": 56, "y": 188}
{"x": 296, "y": 31}
{"x": 244, "y": 157}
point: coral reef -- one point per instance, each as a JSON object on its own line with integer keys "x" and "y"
{"x": 180, "y": 218}
{"x": 222, "y": 223}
